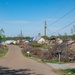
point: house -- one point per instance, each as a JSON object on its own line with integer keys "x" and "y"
{"x": 8, "y": 42}
{"x": 54, "y": 41}
{"x": 69, "y": 43}
{"x": 59, "y": 41}
{"x": 72, "y": 46}
{"x": 39, "y": 40}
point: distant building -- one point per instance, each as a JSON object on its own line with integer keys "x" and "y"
{"x": 39, "y": 40}
{"x": 54, "y": 41}
{"x": 67, "y": 42}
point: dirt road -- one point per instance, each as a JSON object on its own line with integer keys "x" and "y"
{"x": 14, "y": 63}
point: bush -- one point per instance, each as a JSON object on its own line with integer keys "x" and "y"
{"x": 3, "y": 50}
{"x": 35, "y": 45}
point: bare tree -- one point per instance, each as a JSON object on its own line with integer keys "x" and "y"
{"x": 73, "y": 30}
{"x": 2, "y": 33}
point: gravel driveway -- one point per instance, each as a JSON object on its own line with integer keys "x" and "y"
{"x": 14, "y": 63}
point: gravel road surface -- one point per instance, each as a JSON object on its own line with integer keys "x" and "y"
{"x": 14, "y": 63}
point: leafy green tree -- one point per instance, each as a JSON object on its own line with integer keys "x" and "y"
{"x": 46, "y": 37}
{"x": 39, "y": 34}
{"x": 0, "y": 38}
{"x": 53, "y": 36}
{"x": 27, "y": 38}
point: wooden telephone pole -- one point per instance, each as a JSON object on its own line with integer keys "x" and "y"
{"x": 45, "y": 30}
{"x": 21, "y": 34}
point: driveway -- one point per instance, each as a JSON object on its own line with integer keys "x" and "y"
{"x": 14, "y": 63}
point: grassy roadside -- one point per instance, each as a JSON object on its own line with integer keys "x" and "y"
{"x": 25, "y": 54}
{"x": 54, "y": 62}
{"x": 68, "y": 72}
{"x": 40, "y": 60}
{"x": 3, "y": 52}
{"x": 29, "y": 56}
{"x": 60, "y": 72}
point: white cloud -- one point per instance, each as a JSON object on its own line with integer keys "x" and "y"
{"x": 21, "y": 22}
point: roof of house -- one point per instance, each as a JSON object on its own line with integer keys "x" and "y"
{"x": 37, "y": 38}
{"x": 52, "y": 38}
{"x": 67, "y": 42}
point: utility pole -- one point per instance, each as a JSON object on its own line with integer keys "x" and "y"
{"x": 45, "y": 30}
{"x": 21, "y": 34}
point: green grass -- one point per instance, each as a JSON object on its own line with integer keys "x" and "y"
{"x": 37, "y": 59}
{"x": 29, "y": 56}
{"x": 4, "y": 52}
{"x": 54, "y": 62}
{"x": 68, "y": 72}
{"x": 25, "y": 54}
{"x": 45, "y": 61}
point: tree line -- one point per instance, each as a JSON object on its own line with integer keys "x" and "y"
{"x": 63, "y": 37}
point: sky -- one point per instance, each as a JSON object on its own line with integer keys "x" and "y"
{"x": 30, "y": 15}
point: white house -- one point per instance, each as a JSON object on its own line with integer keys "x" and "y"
{"x": 41, "y": 41}
{"x": 7, "y": 42}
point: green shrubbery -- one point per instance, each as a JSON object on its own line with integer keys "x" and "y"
{"x": 36, "y": 45}
{"x": 3, "y": 50}
{"x": 68, "y": 72}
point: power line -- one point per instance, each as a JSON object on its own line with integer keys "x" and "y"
{"x": 62, "y": 28}
{"x": 48, "y": 29}
{"x": 61, "y": 8}
{"x": 62, "y": 16}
